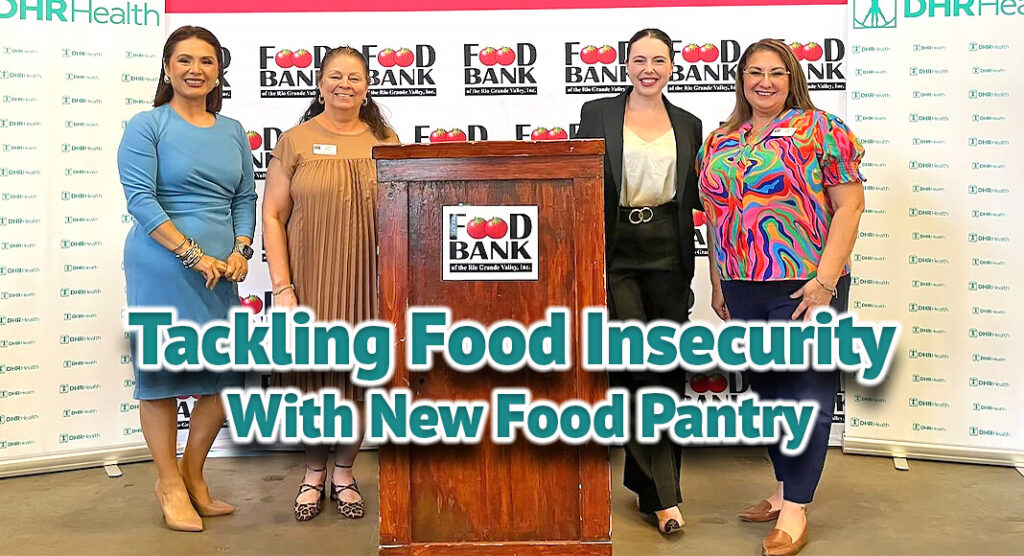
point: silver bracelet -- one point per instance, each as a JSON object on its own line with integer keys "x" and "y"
{"x": 191, "y": 243}
{"x": 190, "y": 256}
{"x": 197, "y": 255}
{"x": 175, "y": 250}
{"x": 188, "y": 259}
{"x": 833, "y": 291}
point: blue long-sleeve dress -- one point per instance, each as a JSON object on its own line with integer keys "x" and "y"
{"x": 201, "y": 179}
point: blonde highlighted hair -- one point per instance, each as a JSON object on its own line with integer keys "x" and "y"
{"x": 799, "y": 96}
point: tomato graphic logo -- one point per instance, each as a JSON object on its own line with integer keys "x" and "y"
{"x": 386, "y": 58}
{"x": 691, "y": 53}
{"x": 557, "y": 133}
{"x": 699, "y": 383}
{"x": 284, "y": 59}
{"x": 488, "y": 56}
{"x": 717, "y": 383}
{"x": 496, "y": 228}
{"x": 252, "y": 303}
{"x": 708, "y": 53}
{"x": 302, "y": 58}
{"x": 439, "y": 136}
{"x": 699, "y": 219}
{"x": 404, "y": 58}
{"x": 589, "y": 55}
{"x": 477, "y": 228}
{"x": 798, "y": 50}
{"x": 812, "y": 52}
{"x": 506, "y": 56}
{"x": 606, "y": 54}
{"x": 455, "y": 135}
{"x": 254, "y": 140}
{"x": 548, "y": 134}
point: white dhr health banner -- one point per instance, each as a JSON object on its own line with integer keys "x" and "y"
{"x": 936, "y": 101}
{"x": 71, "y": 75}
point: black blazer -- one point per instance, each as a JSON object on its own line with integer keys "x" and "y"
{"x": 603, "y": 119}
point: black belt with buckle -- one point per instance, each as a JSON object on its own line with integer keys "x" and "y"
{"x": 643, "y": 215}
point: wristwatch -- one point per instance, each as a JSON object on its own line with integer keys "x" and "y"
{"x": 243, "y": 249}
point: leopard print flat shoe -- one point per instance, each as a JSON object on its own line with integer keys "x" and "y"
{"x": 308, "y": 510}
{"x": 351, "y": 510}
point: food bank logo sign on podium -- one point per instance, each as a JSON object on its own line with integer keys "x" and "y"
{"x": 487, "y": 243}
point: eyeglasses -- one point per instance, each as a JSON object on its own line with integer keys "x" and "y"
{"x": 758, "y": 74}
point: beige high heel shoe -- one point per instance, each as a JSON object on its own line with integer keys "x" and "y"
{"x": 217, "y": 508}
{"x": 189, "y": 523}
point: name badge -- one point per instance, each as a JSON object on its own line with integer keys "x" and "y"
{"x": 783, "y": 132}
{"x": 327, "y": 150}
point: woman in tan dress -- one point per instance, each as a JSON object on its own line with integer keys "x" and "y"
{"x": 320, "y": 230}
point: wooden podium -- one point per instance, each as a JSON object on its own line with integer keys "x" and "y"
{"x": 487, "y": 498}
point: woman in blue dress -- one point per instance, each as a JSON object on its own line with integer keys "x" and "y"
{"x": 188, "y": 178}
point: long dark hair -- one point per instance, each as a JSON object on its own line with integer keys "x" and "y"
{"x": 369, "y": 112}
{"x": 656, "y": 34}
{"x": 799, "y": 96}
{"x": 164, "y": 92}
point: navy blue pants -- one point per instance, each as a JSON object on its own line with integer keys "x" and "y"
{"x": 770, "y": 301}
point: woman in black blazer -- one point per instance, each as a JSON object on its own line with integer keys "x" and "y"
{"x": 650, "y": 192}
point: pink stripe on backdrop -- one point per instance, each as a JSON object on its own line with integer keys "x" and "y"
{"x": 277, "y": 6}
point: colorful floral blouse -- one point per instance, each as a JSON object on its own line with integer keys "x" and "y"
{"x": 767, "y": 202}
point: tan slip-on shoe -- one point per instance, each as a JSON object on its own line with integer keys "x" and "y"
{"x": 779, "y": 543}
{"x": 759, "y": 513}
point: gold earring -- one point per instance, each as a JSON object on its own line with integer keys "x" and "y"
{"x": 167, "y": 79}
{"x": 217, "y": 83}
{"x": 319, "y": 98}
{"x": 366, "y": 100}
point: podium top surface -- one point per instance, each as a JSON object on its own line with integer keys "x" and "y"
{"x": 489, "y": 149}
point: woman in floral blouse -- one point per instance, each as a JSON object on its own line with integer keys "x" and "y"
{"x": 781, "y": 185}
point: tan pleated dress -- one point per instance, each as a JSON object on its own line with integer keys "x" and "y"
{"x": 332, "y": 233}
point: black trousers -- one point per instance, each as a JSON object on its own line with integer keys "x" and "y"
{"x": 770, "y": 301}
{"x": 646, "y": 282}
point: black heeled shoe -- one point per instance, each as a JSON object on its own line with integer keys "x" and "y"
{"x": 351, "y": 510}
{"x": 308, "y": 510}
{"x": 671, "y": 526}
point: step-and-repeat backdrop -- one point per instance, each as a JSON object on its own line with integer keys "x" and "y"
{"x": 935, "y": 96}
{"x": 930, "y": 92}
{"x": 545, "y": 64}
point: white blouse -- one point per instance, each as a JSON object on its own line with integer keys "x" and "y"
{"x": 648, "y": 170}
